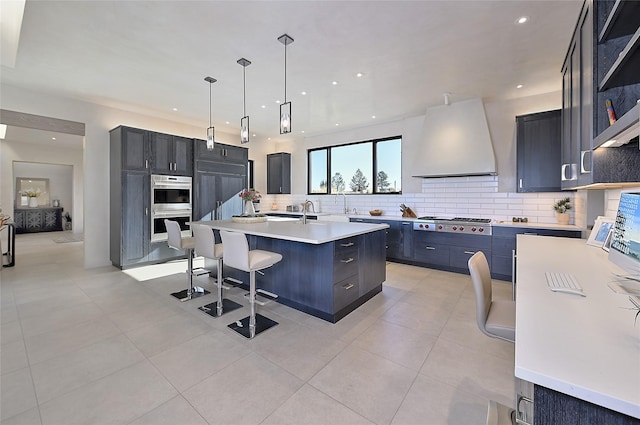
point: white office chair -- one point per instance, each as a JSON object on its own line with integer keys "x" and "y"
{"x": 495, "y": 318}
{"x": 207, "y": 247}
{"x": 176, "y": 241}
{"x": 238, "y": 256}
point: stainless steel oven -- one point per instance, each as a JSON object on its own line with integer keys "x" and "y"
{"x": 170, "y": 199}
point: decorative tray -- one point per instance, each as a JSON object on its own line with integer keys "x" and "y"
{"x": 249, "y": 219}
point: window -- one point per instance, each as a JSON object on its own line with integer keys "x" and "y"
{"x": 371, "y": 167}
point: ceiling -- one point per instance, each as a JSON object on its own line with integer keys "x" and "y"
{"x": 152, "y": 56}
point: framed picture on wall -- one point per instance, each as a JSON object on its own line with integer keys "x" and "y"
{"x": 601, "y": 230}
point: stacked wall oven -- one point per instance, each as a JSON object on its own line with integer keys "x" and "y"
{"x": 171, "y": 198}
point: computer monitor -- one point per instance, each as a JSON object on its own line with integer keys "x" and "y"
{"x": 625, "y": 240}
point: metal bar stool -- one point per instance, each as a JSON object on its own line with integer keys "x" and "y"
{"x": 207, "y": 247}
{"x": 238, "y": 256}
{"x": 176, "y": 241}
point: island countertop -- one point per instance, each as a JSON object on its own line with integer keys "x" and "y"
{"x": 314, "y": 232}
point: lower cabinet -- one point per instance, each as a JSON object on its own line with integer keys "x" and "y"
{"x": 503, "y": 247}
{"x": 328, "y": 280}
{"x": 31, "y": 220}
{"x": 449, "y": 251}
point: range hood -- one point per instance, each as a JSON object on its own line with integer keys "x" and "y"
{"x": 455, "y": 142}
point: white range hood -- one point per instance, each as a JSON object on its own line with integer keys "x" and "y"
{"x": 455, "y": 142}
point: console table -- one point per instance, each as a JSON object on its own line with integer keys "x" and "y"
{"x": 40, "y": 219}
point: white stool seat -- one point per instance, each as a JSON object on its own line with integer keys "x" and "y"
{"x": 176, "y": 241}
{"x": 238, "y": 256}
{"x": 207, "y": 247}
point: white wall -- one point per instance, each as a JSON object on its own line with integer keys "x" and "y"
{"x": 11, "y": 151}
{"x": 60, "y": 181}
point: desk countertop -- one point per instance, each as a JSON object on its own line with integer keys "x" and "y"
{"x": 586, "y": 347}
{"x": 314, "y": 232}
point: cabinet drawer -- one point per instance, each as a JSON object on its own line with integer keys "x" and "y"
{"x": 432, "y": 253}
{"x": 345, "y": 292}
{"x": 460, "y": 256}
{"x": 345, "y": 264}
{"x": 343, "y": 245}
{"x": 501, "y": 265}
{"x": 503, "y": 246}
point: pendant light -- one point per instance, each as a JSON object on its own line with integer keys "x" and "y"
{"x": 211, "y": 129}
{"x": 285, "y": 108}
{"x": 244, "y": 122}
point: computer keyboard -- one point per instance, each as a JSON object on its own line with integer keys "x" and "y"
{"x": 563, "y": 282}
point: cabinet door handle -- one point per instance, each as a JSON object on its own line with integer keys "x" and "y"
{"x": 359, "y": 219}
{"x": 348, "y": 286}
{"x": 348, "y": 244}
{"x": 146, "y": 163}
{"x": 347, "y": 261}
{"x": 146, "y": 211}
{"x": 530, "y": 233}
{"x": 583, "y": 169}
{"x": 430, "y": 248}
{"x": 563, "y": 173}
{"x": 469, "y": 252}
{"x": 520, "y": 184}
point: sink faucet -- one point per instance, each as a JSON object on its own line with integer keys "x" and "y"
{"x": 345, "y": 210}
{"x": 305, "y": 210}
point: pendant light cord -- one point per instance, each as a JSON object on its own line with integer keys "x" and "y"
{"x": 285, "y": 73}
{"x": 209, "y": 104}
{"x": 244, "y": 91}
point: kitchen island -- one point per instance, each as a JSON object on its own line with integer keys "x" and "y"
{"x": 328, "y": 269}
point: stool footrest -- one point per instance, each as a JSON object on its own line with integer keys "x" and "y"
{"x": 199, "y": 271}
{"x": 231, "y": 281}
{"x": 262, "y": 298}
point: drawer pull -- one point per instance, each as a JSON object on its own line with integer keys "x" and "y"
{"x": 469, "y": 252}
{"x": 345, "y": 245}
{"x": 347, "y": 261}
{"x": 348, "y": 286}
{"x": 531, "y": 233}
{"x": 430, "y": 248}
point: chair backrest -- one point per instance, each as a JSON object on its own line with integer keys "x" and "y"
{"x": 205, "y": 241}
{"x": 481, "y": 278}
{"x": 173, "y": 231}
{"x": 236, "y": 250}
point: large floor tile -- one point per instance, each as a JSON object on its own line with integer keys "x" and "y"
{"x": 195, "y": 360}
{"x": 246, "y": 392}
{"x": 30, "y": 417}
{"x": 310, "y": 407}
{"x": 62, "y": 374}
{"x": 49, "y": 321}
{"x": 167, "y": 333}
{"x": 483, "y": 374}
{"x": 372, "y": 386}
{"x": 397, "y": 343}
{"x": 64, "y": 299}
{"x": 435, "y": 403}
{"x": 173, "y": 412}
{"x": 52, "y": 344}
{"x": 422, "y": 319}
{"x": 10, "y": 332}
{"x": 116, "y": 399}
{"x": 13, "y": 356}
{"x": 17, "y": 392}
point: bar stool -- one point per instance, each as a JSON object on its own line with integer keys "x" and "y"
{"x": 177, "y": 242}
{"x": 238, "y": 256}
{"x": 207, "y": 247}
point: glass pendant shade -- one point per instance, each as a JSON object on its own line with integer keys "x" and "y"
{"x": 285, "y": 118}
{"x": 210, "y": 138}
{"x": 244, "y": 129}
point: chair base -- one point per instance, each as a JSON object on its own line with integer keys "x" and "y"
{"x": 212, "y": 309}
{"x": 184, "y": 294}
{"x": 262, "y": 324}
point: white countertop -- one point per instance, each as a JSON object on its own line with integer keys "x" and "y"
{"x": 551, "y": 226}
{"x": 314, "y": 232}
{"x": 586, "y": 347}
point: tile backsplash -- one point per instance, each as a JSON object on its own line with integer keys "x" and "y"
{"x": 443, "y": 197}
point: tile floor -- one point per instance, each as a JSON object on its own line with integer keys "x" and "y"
{"x": 102, "y": 346}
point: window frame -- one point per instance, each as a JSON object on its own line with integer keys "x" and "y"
{"x": 374, "y": 158}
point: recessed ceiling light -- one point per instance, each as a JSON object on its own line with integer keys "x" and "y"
{"x": 335, "y": 83}
{"x": 373, "y": 116}
{"x": 3, "y": 131}
{"x": 175, "y": 109}
{"x": 519, "y": 86}
{"x": 337, "y": 124}
{"x": 253, "y": 135}
{"x": 263, "y": 106}
{"x": 522, "y": 20}
{"x": 359, "y": 74}
{"x": 53, "y": 138}
{"x": 278, "y": 102}
{"x": 227, "y": 122}
{"x": 268, "y": 138}
{"x": 302, "y": 131}
{"x": 304, "y": 93}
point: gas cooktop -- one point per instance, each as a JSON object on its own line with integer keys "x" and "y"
{"x": 463, "y": 219}
{"x": 469, "y": 225}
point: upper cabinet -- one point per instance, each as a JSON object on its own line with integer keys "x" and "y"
{"x": 221, "y": 152}
{"x": 538, "y": 151}
{"x": 132, "y": 147}
{"x": 171, "y": 154}
{"x": 602, "y": 63}
{"x": 279, "y": 173}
